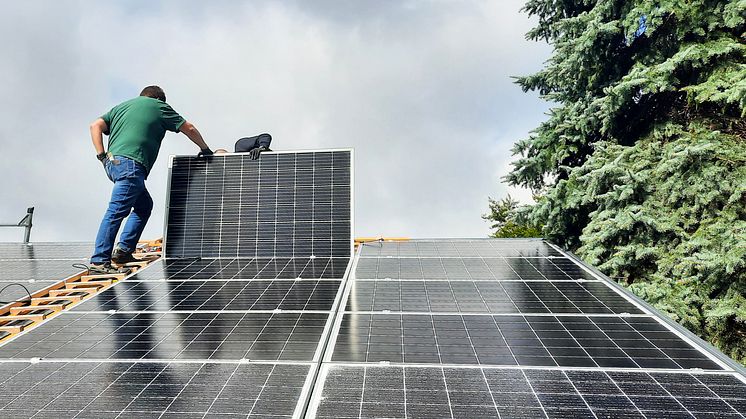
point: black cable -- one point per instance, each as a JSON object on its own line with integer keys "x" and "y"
{"x": 16, "y": 301}
{"x": 75, "y": 265}
{"x": 83, "y": 266}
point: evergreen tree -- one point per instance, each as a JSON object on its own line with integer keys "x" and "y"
{"x": 641, "y": 164}
{"x": 508, "y": 220}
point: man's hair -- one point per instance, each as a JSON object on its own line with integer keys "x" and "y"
{"x": 155, "y": 92}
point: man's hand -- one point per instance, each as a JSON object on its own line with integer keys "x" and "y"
{"x": 102, "y": 157}
{"x": 254, "y": 154}
{"x": 205, "y": 152}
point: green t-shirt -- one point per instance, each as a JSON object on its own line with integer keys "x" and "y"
{"x": 137, "y": 127}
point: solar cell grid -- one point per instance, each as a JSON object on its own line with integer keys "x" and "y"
{"x": 487, "y": 297}
{"x": 458, "y": 248}
{"x": 282, "y": 205}
{"x": 172, "y": 335}
{"x": 215, "y": 295}
{"x": 555, "y": 268}
{"x": 244, "y": 269}
{"x": 565, "y": 265}
{"x": 44, "y": 270}
{"x": 578, "y": 341}
{"x": 168, "y": 390}
{"x": 469, "y": 269}
{"x": 45, "y": 250}
{"x": 375, "y": 391}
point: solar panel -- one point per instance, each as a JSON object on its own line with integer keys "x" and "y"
{"x": 582, "y": 341}
{"x": 282, "y": 205}
{"x": 37, "y": 270}
{"x": 490, "y": 297}
{"x": 158, "y": 389}
{"x": 173, "y": 335}
{"x": 469, "y": 269}
{"x": 464, "y": 248}
{"x": 298, "y": 295}
{"x": 45, "y": 250}
{"x": 508, "y": 328}
{"x": 244, "y": 269}
{"x": 397, "y": 392}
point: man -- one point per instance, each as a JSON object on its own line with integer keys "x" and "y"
{"x": 135, "y": 129}
{"x": 254, "y": 145}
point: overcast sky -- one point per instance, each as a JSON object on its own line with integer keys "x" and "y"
{"x": 422, "y": 91}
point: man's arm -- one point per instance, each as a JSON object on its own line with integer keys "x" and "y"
{"x": 188, "y": 129}
{"x": 98, "y": 127}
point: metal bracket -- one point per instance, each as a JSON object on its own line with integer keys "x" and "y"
{"x": 26, "y": 222}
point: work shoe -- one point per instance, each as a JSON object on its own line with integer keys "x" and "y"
{"x": 105, "y": 269}
{"x": 120, "y": 257}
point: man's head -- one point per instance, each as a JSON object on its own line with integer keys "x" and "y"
{"x": 155, "y": 92}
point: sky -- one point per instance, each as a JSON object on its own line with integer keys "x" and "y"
{"x": 422, "y": 90}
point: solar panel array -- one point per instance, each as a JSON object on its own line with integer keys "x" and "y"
{"x": 232, "y": 323}
{"x": 257, "y": 311}
{"x": 507, "y": 328}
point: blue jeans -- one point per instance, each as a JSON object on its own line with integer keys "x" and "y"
{"x": 129, "y": 195}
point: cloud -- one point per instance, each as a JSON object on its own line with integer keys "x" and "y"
{"x": 421, "y": 90}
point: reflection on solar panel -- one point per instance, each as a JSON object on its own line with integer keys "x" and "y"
{"x": 487, "y": 297}
{"x": 244, "y": 269}
{"x": 282, "y": 205}
{"x": 507, "y": 328}
{"x": 296, "y": 295}
{"x": 569, "y": 341}
{"x": 168, "y": 336}
{"x": 470, "y": 269}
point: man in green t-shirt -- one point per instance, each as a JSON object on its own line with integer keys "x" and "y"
{"x": 135, "y": 129}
